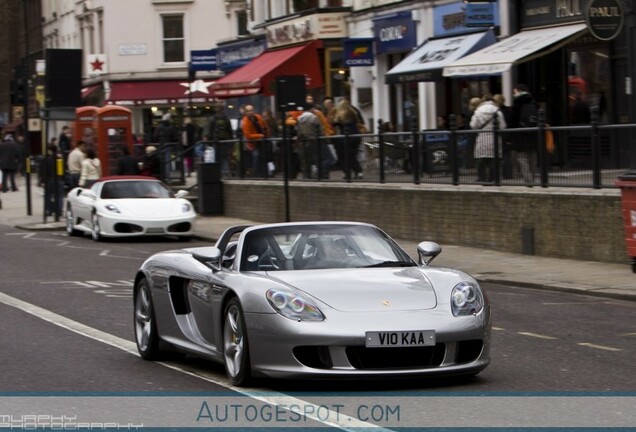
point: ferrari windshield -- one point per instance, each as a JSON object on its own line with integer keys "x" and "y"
{"x": 135, "y": 189}
{"x": 321, "y": 246}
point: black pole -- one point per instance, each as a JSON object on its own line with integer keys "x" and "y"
{"x": 25, "y": 114}
{"x": 495, "y": 145}
{"x": 381, "y": 154}
{"x": 452, "y": 123}
{"x": 286, "y": 157}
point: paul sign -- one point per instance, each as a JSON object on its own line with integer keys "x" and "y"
{"x": 605, "y": 18}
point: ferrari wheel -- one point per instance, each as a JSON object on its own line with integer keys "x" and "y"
{"x": 145, "y": 327}
{"x": 235, "y": 345}
{"x": 70, "y": 222}
{"x": 95, "y": 228}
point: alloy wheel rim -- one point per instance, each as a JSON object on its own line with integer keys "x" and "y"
{"x": 69, "y": 221}
{"x": 143, "y": 322}
{"x": 233, "y": 341}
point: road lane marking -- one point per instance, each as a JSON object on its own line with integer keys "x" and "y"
{"x": 628, "y": 334}
{"x": 281, "y": 400}
{"x": 535, "y": 335}
{"x": 498, "y": 329}
{"x": 601, "y": 347}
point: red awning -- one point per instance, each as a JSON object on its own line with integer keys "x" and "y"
{"x": 87, "y": 91}
{"x": 171, "y": 92}
{"x": 259, "y": 74}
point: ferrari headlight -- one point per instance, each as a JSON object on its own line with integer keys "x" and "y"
{"x": 185, "y": 207}
{"x": 112, "y": 207}
{"x": 466, "y": 299}
{"x": 293, "y": 305}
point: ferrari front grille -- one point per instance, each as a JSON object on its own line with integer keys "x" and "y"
{"x": 181, "y": 227}
{"x": 128, "y": 228}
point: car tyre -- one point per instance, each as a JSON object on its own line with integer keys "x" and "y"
{"x": 146, "y": 335}
{"x": 70, "y": 222}
{"x": 95, "y": 228}
{"x": 235, "y": 344}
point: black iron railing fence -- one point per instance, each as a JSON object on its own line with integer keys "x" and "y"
{"x": 590, "y": 156}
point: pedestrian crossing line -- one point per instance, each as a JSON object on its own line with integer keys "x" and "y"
{"x": 536, "y": 335}
{"x": 601, "y": 347}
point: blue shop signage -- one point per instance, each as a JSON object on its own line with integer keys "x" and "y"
{"x": 394, "y": 33}
{"x": 461, "y": 17}
{"x": 358, "y": 52}
{"x": 235, "y": 55}
{"x": 480, "y": 14}
{"x": 203, "y": 60}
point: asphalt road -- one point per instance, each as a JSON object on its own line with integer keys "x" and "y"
{"x": 66, "y": 315}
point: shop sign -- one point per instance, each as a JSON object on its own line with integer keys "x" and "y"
{"x": 605, "y": 18}
{"x": 358, "y": 52}
{"x": 203, "y": 60}
{"x": 394, "y": 33}
{"x": 233, "y": 56}
{"x": 453, "y": 18}
{"x": 307, "y": 28}
{"x": 536, "y": 13}
{"x": 480, "y": 14}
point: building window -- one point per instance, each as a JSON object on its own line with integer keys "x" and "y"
{"x": 173, "y": 39}
{"x": 241, "y": 22}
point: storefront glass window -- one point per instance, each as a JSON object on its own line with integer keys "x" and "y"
{"x": 588, "y": 83}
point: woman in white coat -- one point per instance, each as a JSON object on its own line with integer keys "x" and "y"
{"x": 483, "y": 119}
{"x": 91, "y": 169}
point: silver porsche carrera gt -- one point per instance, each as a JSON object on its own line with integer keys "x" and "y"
{"x": 312, "y": 300}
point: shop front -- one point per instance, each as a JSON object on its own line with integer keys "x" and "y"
{"x": 408, "y": 69}
{"x": 309, "y": 45}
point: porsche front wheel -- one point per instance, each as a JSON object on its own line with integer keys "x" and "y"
{"x": 146, "y": 335}
{"x": 235, "y": 344}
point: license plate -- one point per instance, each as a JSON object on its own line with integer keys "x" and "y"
{"x": 400, "y": 339}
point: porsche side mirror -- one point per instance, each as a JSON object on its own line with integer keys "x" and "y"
{"x": 181, "y": 193}
{"x": 210, "y": 257}
{"x": 427, "y": 251}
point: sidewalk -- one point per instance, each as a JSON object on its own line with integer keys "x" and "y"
{"x": 587, "y": 277}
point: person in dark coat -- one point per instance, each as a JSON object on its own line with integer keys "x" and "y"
{"x": 9, "y": 162}
{"x": 52, "y": 182}
{"x": 151, "y": 163}
{"x": 127, "y": 164}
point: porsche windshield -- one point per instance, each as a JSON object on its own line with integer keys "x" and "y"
{"x": 301, "y": 247}
{"x": 135, "y": 189}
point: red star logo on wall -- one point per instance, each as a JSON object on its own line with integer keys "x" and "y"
{"x": 97, "y": 65}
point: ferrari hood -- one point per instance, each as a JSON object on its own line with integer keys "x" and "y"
{"x": 150, "y": 208}
{"x": 364, "y": 290}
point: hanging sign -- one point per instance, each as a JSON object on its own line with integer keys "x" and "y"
{"x": 605, "y": 18}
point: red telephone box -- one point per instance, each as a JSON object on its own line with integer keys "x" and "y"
{"x": 84, "y": 127}
{"x": 113, "y": 128}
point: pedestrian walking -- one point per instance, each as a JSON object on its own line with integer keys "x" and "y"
{"x": 255, "y": 131}
{"x": 52, "y": 181}
{"x": 91, "y": 169}
{"x": 9, "y": 162}
{"x": 483, "y": 120}
{"x": 127, "y": 164}
{"x": 524, "y": 146}
{"x": 74, "y": 163}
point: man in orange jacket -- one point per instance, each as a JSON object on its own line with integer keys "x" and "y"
{"x": 255, "y": 130}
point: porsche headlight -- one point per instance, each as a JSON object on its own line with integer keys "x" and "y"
{"x": 466, "y": 299}
{"x": 185, "y": 207}
{"x": 112, "y": 207}
{"x": 293, "y": 305}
